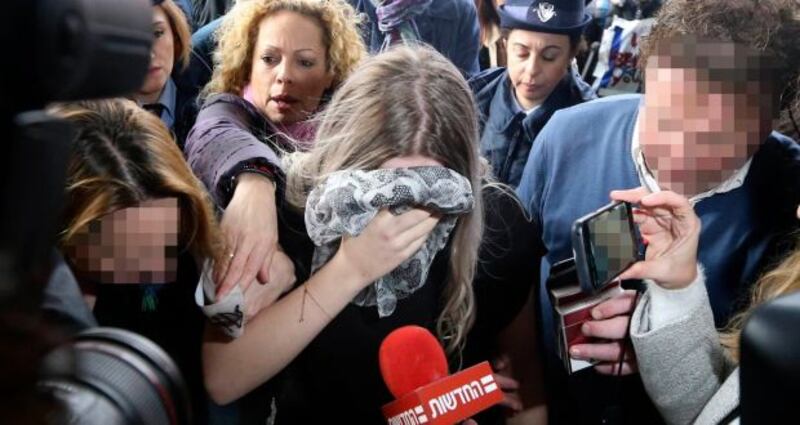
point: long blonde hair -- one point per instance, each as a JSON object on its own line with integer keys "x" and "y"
{"x": 123, "y": 155}
{"x": 408, "y": 101}
{"x": 238, "y": 33}
{"x": 782, "y": 280}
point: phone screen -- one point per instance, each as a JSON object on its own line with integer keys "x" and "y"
{"x": 612, "y": 245}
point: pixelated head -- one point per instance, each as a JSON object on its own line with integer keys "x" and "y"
{"x": 138, "y": 244}
{"x": 715, "y": 73}
{"x": 132, "y": 203}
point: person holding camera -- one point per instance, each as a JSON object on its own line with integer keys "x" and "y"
{"x": 515, "y": 102}
{"x": 688, "y": 368}
{"x": 703, "y": 129}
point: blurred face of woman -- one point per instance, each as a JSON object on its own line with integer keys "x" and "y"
{"x": 162, "y": 58}
{"x": 132, "y": 245}
{"x": 290, "y": 69}
{"x": 537, "y": 61}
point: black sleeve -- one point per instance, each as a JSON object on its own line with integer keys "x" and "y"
{"x": 508, "y": 266}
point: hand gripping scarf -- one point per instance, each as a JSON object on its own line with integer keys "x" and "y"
{"x": 347, "y": 201}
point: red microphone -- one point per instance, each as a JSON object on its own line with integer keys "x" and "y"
{"x": 414, "y": 368}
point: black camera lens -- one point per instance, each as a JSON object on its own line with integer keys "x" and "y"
{"x": 112, "y": 376}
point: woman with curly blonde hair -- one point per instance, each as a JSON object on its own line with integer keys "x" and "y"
{"x": 276, "y": 62}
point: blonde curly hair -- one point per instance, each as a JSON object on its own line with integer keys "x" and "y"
{"x": 238, "y": 33}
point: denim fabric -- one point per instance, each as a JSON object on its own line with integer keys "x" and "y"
{"x": 449, "y": 26}
{"x": 507, "y": 133}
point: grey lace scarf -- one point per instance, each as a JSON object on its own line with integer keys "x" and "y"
{"x": 348, "y": 200}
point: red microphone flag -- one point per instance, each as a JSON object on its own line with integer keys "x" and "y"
{"x": 412, "y": 362}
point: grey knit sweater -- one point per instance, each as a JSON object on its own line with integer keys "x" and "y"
{"x": 683, "y": 366}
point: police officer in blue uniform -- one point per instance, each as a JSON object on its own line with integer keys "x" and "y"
{"x": 541, "y": 39}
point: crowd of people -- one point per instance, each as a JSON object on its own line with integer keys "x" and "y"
{"x": 323, "y": 172}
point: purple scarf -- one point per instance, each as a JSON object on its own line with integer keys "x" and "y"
{"x": 396, "y": 20}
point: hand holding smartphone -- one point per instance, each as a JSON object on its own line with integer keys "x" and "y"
{"x": 605, "y": 244}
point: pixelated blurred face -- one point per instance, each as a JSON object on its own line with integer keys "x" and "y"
{"x": 132, "y": 245}
{"x": 696, "y": 131}
{"x": 162, "y": 58}
{"x": 537, "y": 61}
{"x": 290, "y": 70}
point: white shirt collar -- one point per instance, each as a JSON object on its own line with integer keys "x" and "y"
{"x": 647, "y": 179}
{"x": 527, "y": 112}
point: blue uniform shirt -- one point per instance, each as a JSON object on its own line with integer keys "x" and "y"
{"x": 584, "y": 152}
{"x": 507, "y": 132}
{"x": 449, "y": 26}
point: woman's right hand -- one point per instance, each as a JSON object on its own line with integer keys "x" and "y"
{"x": 386, "y": 242}
{"x": 250, "y": 227}
{"x": 671, "y": 229}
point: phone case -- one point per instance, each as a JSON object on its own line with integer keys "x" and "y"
{"x": 581, "y": 245}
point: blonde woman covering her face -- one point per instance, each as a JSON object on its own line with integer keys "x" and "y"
{"x": 414, "y": 117}
{"x": 276, "y": 61}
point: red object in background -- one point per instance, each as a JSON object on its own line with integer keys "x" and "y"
{"x": 414, "y": 368}
{"x": 410, "y": 357}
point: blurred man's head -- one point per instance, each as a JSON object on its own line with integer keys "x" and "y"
{"x": 715, "y": 72}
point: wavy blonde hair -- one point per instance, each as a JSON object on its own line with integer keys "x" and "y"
{"x": 408, "y": 101}
{"x": 122, "y": 156}
{"x": 782, "y": 280}
{"x": 237, "y": 35}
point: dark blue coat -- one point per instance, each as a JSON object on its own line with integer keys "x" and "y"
{"x": 449, "y": 26}
{"x": 507, "y": 133}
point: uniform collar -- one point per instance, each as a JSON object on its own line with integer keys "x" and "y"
{"x": 167, "y": 100}
{"x": 505, "y": 109}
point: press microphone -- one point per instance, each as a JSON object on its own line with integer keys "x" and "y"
{"x": 414, "y": 368}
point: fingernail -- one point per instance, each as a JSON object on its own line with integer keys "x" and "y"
{"x": 585, "y": 329}
{"x": 575, "y": 352}
{"x": 596, "y": 315}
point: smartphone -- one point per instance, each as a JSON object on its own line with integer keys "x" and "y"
{"x": 605, "y": 244}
